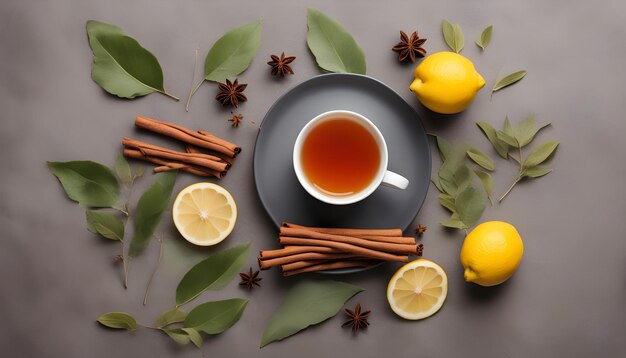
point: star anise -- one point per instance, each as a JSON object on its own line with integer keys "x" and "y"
{"x": 409, "y": 47}
{"x": 420, "y": 229}
{"x": 250, "y": 279}
{"x": 231, "y": 93}
{"x": 280, "y": 65}
{"x": 357, "y": 319}
{"x": 236, "y": 119}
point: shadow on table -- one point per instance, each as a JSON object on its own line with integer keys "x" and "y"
{"x": 481, "y": 294}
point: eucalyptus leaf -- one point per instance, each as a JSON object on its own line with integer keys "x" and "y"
{"x": 194, "y": 337}
{"x": 212, "y": 273}
{"x": 508, "y": 80}
{"x": 122, "y": 169}
{"x": 485, "y": 37}
{"x": 540, "y": 154}
{"x": 171, "y": 316}
{"x": 447, "y": 202}
{"x": 86, "y": 182}
{"x": 500, "y": 146}
{"x": 443, "y": 146}
{"x": 105, "y": 224}
{"x": 470, "y": 204}
{"x": 307, "y": 303}
{"x": 151, "y": 205}
{"x": 118, "y": 320}
{"x": 486, "y": 180}
{"x": 233, "y": 52}
{"x": 480, "y": 158}
{"x": 508, "y": 139}
{"x": 121, "y": 66}
{"x": 453, "y": 36}
{"x": 335, "y": 50}
{"x": 178, "y": 335}
{"x": 215, "y": 317}
{"x": 535, "y": 172}
{"x": 454, "y": 222}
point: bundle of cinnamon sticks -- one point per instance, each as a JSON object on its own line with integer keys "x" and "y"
{"x": 308, "y": 249}
{"x": 193, "y": 160}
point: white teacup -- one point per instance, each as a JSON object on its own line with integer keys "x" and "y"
{"x": 383, "y": 176}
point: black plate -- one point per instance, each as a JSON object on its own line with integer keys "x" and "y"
{"x": 409, "y": 154}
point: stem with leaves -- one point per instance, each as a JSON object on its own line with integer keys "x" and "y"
{"x": 145, "y": 296}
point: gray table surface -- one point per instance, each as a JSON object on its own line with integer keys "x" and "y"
{"x": 567, "y": 298}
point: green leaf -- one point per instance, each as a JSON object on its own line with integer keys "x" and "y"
{"x": 485, "y": 37}
{"x": 194, "y": 337}
{"x": 480, "y": 158}
{"x": 447, "y": 202}
{"x": 122, "y": 169}
{"x": 215, "y": 317}
{"x": 454, "y": 222}
{"x": 453, "y": 36}
{"x": 307, "y": 303}
{"x": 508, "y": 128}
{"x": 232, "y": 53}
{"x": 508, "y": 80}
{"x": 443, "y": 146}
{"x": 540, "y": 154}
{"x": 121, "y": 66}
{"x": 437, "y": 182}
{"x": 507, "y": 138}
{"x": 527, "y": 129}
{"x": 335, "y": 50}
{"x": 105, "y": 224}
{"x": 454, "y": 175}
{"x": 535, "y": 172}
{"x": 486, "y": 180}
{"x": 501, "y": 147}
{"x": 178, "y": 335}
{"x": 151, "y": 205}
{"x": 212, "y": 273}
{"x": 118, "y": 320}
{"x": 171, "y": 316}
{"x": 88, "y": 183}
{"x": 470, "y": 204}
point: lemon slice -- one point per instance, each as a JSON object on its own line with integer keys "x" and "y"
{"x": 417, "y": 290}
{"x": 204, "y": 213}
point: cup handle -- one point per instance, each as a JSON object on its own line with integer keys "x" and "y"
{"x": 394, "y": 180}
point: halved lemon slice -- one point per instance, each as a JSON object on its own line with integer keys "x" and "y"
{"x": 204, "y": 213}
{"x": 417, "y": 290}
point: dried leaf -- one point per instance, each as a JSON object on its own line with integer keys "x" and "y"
{"x": 105, "y": 224}
{"x": 508, "y": 80}
{"x": 215, "y": 317}
{"x": 501, "y": 147}
{"x": 540, "y": 154}
{"x": 470, "y": 204}
{"x": 151, "y": 205}
{"x": 535, "y": 172}
{"x": 485, "y": 37}
{"x": 212, "y": 273}
{"x": 86, "y": 182}
{"x": 335, "y": 50}
{"x": 453, "y": 36}
{"x": 122, "y": 169}
{"x": 118, "y": 320}
{"x": 480, "y": 158}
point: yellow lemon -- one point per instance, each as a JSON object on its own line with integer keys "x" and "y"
{"x": 446, "y": 82}
{"x": 491, "y": 253}
{"x": 204, "y": 213}
{"x": 417, "y": 290}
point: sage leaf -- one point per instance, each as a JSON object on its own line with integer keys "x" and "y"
{"x": 215, "y": 317}
{"x": 508, "y": 80}
{"x": 437, "y": 182}
{"x": 455, "y": 176}
{"x": 453, "y": 36}
{"x": 535, "y": 172}
{"x": 233, "y": 52}
{"x": 486, "y": 180}
{"x": 212, "y": 273}
{"x": 508, "y": 128}
{"x": 501, "y": 147}
{"x": 121, "y": 66}
{"x": 485, "y": 37}
{"x": 335, "y": 50}
{"x": 194, "y": 337}
{"x": 105, "y": 224}
{"x": 527, "y": 129}
{"x": 122, "y": 169}
{"x": 540, "y": 154}
{"x": 86, "y": 182}
{"x": 307, "y": 303}
{"x": 171, "y": 316}
{"x": 443, "y": 146}
{"x": 447, "y": 202}
{"x": 178, "y": 335}
{"x": 470, "y": 204}
{"x": 480, "y": 158}
{"x": 150, "y": 206}
{"x": 507, "y": 138}
{"x": 454, "y": 222}
{"x": 118, "y": 320}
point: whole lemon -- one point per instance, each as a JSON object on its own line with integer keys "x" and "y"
{"x": 491, "y": 253}
{"x": 446, "y": 82}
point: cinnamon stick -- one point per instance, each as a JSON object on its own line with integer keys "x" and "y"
{"x": 375, "y": 245}
{"x": 301, "y": 264}
{"x": 265, "y": 264}
{"x": 203, "y": 140}
{"x": 166, "y": 165}
{"x": 331, "y": 266}
{"x": 363, "y": 251}
{"x": 292, "y": 250}
{"x": 192, "y": 149}
{"x": 348, "y": 232}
